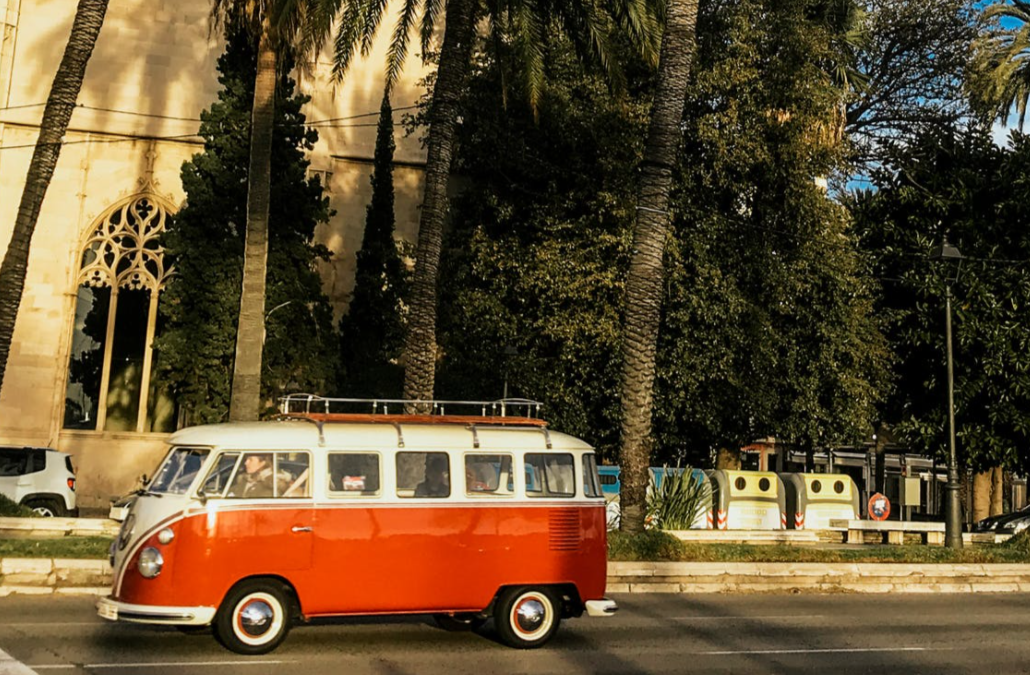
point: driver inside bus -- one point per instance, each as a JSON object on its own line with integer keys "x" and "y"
{"x": 436, "y": 483}
{"x": 258, "y": 481}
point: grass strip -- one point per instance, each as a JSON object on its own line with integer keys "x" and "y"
{"x": 8, "y": 509}
{"x": 657, "y": 546}
{"x": 62, "y": 547}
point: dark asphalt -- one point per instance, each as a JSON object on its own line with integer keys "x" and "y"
{"x": 954, "y": 633}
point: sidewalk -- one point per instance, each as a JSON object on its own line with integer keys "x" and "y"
{"x": 46, "y": 576}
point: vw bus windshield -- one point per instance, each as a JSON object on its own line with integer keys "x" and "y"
{"x": 178, "y": 471}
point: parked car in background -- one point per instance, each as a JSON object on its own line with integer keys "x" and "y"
{"x": 1007, "y": 523}
{"x": 40, "y": 479}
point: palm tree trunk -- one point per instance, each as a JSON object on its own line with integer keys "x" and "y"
{"x": 420, "y": 341}
{"x": 89, "y": 17}
{"x": 646, "y": 273}
{"x": 250, "y": 336}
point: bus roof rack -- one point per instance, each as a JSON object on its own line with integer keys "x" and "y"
{"x": 507, "y": 412}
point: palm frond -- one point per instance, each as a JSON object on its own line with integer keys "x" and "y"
{"x": 319, "y": 25}
{"x": 348, "y": 35}
{"x": 398, "y": 50}
{"x": 528, "y": 39}
{"x": 430, "y": 15}
{"x": 1001, "y": 64}
{"x": 376, "y": 8}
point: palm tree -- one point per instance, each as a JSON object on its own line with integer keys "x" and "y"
{"x": 1001, "y": 65}
{"x": 527, "y": 25}
{"x": 89, "y": 17}
{"x": 646, "y": 272}
{"x": 277, "y": 26}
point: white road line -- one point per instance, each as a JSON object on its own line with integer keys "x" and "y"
{"x": 11, "y": 666}
{"x": 778, "y": 617}
{"x": 154, "y": 664}
{"x": 36, "y": 624}
{"x": 854, "y": 650}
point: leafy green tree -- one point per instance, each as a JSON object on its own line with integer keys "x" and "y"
{"x": 521, "y": 30}
{"x": 769, "y": 327}
{"x": 536, "y": 255}
{"x": 757, "y": 258}
{"x": 372, "y": 331}
{"x": 89, "y": 17}
{"x": 959, "y": 183}
{"x": 199, "y": 308}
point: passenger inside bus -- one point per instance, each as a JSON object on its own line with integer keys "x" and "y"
{"x": 258, "y": 480}
{"x": 436, "y": 483}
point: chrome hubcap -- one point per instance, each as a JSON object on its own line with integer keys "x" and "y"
{"x": 530, "y": 615}
{"x": 255, "y": 618}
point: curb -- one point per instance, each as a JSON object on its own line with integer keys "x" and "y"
{"x": 59, "y": 527}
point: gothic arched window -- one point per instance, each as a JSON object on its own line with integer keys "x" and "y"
{"x": 110, "y": 373}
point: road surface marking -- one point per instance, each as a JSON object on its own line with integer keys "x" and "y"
{"x": 156, "y": 664}
{"x": 778, "y": 617}
{"x": 851, "y": 650}
{"x": 11, "y": 666}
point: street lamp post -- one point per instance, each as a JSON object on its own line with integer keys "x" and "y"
{"x": 952, "y": 506}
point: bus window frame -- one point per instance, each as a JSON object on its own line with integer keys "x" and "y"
{"x": 275, "y": 464}
{"x": 352, "y": 494}
{"x": 487, "y": 494}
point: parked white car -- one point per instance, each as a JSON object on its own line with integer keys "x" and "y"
{"x": 39, "y": 478}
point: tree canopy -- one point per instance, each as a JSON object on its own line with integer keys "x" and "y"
{"x": 955, "y": 182}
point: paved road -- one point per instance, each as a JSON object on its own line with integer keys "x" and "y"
{"x": 839, "y": 634}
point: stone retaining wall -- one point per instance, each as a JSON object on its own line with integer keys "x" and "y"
{"x": 40, "y": 576}
{"x": 652, "y": 577}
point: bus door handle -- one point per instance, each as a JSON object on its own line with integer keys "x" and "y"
{"x": 298, "y": 528}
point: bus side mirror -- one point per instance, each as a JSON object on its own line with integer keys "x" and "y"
{"x": 202, "y": 496}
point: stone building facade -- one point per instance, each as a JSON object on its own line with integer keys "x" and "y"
{"x": 96, "y": 244}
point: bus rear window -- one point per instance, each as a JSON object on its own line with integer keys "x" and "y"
{"x": 550, "y": 475}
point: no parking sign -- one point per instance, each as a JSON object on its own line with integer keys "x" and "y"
{"x": 879, "y": 507}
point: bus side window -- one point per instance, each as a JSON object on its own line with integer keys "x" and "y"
{"x": 487, "y": 475}
{"x": 292, "y": 472}
{"x": 554, "y": 475}
{"x": 218, "y": 477}
{"x": 423, "y": 474}
{"x": 354, "y": 474}
{"x": 265, "y": 474}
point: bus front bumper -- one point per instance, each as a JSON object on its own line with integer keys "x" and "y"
{"x": 602, "y": 607}
{"x": 116, "y": 610}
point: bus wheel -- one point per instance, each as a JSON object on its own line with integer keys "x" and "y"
{"x": 254, "y": 618}
{"x": 526, "y": 617}
{"x": 458, "y": 623}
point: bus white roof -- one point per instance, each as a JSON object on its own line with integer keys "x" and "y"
{"x": 297, "y": 434}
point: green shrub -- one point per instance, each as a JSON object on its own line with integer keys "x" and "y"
{"x": 676, "y": 503}
{"x": 8, "y": 509}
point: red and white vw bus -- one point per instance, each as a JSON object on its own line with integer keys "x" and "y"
{"x": 248, "y": 527}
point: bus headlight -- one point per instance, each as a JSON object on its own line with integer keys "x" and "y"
{"x": 150, "y": 562}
